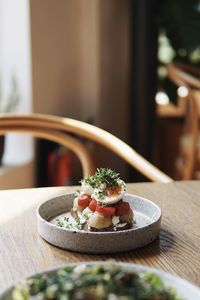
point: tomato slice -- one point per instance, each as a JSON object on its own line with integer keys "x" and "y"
{"x": 84, "y": 200}
{"x": 106, "y": 210}
{"x": 122, "y": 208}
{"x": 93, "y": 205}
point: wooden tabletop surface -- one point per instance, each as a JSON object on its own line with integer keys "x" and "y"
{"x": 23, "y": 252}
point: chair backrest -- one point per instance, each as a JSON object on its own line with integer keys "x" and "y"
{"x": 186, "y": 75}
{"x": 57, "y": 129}
{"x": 187, "y": 158}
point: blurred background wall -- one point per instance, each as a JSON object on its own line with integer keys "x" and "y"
{"x": 101, "y": 61}
{"x": 80, "y": 64}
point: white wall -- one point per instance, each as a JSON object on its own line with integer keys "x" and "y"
{"x": 15, "y": 62}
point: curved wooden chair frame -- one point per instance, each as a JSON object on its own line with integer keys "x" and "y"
{"x": 61, "y": 138}
{"x": 187, "y": 157}
{"x": 47, "y": 126}
{"x": 187, "y": 76}
{"x": 184, "y": 75}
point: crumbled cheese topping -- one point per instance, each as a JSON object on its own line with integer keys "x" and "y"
{"x": 115, "y": 220}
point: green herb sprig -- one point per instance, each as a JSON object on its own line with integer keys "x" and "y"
{"x": 65, "y": 223}
{"x": 102, "y": 175}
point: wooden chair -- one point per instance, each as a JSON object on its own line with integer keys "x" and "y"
{"x": 187, "y": 159}
{"x": 57, "y": 129}
{"x": 60, "y": 138}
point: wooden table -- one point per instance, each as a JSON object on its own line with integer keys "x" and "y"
{"x": 23, "y": 252}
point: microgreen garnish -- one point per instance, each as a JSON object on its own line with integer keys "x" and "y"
{"x": 77, "y": 193}
{"x": 60, "y": 223}
{"x": 90, "y": 180}
{"x": 99, "y": 194}
{"x": 102, "y": 175}
{"x": 108, "y": 176}
{"x": 65, "y": 223}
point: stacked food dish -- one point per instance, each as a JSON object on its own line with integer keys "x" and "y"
{"x": 99, "y": 205}
{"x": 100, "y": 217}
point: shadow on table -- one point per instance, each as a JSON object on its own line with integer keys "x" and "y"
{"x": 162, "y": 244}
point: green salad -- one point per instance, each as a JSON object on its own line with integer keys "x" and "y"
{"x": 94, "y": 282}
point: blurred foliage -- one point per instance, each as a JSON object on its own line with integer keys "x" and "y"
{"x": 179, "y": 38}
{"x": 180, "y": 20}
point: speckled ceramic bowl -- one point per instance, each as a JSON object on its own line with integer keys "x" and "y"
{"x": 147, "y": 216}
{"x": 184, "y": 289}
